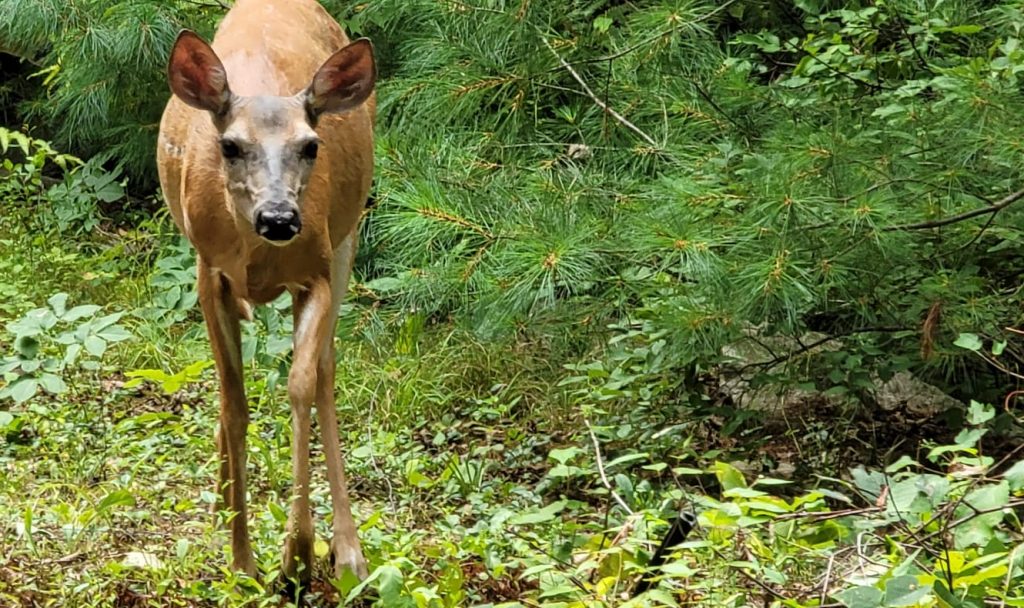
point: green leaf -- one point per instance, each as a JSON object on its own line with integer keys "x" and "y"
{"x": 385, "y": 285}
{"x": 114, "y": 333}
{"x": 279, "y": 514}
{"x": 117, "y": 498}
{"x": 602, "y": 24}
{"x": 539, "y": 515}
{"x": 22, "y": 390}
{"x": 95, "y": 345}
{"x": 729, "y": 476}
{"x": 743, "y": 492}
{"x": 58, "y": 302}
{"x": 979, "y": 529}
{"x": 904, "y": 462}
{"x": 979, "y": 413}
{"x": 80, "y": 312}
{"x": 860, "y": 597}
{"x": 627, "y": 458}
{"x": 942, "y": 591}
{"x": 564, "y": 455}
{"x": 904, "y": 591}
{"x": 963, "y": 29}
{"x": 1015, "y": 476}
{"x": 52, "y": 384}
{"x": 27, "y": 346}
{"x": 969, "y": 341}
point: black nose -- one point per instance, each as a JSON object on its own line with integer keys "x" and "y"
{"x": 278, "y": 224}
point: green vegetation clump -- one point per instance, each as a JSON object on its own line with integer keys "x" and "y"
{"x": 758, "y": 262}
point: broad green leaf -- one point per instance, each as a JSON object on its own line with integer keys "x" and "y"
{"x": 602, "y": 24}
{"x": 904, "y": 591}
{"x": 729, "y": 476}
{"x": 22, "y": 390}
{"x": 538, "y": 516}
{"x": 80, "y": 312}
{"x": 58, "y": 302}
{"x": 904, "y": 462}
{"x": 860, "y": 597}
{"x": 385, "y": 285}
{"x": 95, "y": 346}
{"x": 52, "y": 384}
{"x": 27, "y": 346}
{"x": 743, "y": 492}
{"x": 978, "y": 530}
{"x": 117, "y": 498}
{"x": 979, "y": 413}
{"x": 969, "y": 341}
{"x": 626, "y": 458}
{"x": 1015, "y": 476}
{"x": 564, "y": 455}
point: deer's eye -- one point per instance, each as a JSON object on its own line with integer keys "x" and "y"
{"x": 230, "y": 149}
{"x": 310, "y": 150}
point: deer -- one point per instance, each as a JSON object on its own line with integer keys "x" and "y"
{"x": 265, "y": 159}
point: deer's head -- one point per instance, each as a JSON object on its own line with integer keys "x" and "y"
{"x": 268, "y": 145}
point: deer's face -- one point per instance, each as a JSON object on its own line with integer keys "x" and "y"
{"x": 268, "y": 148}
{"x": 268, "y": 145}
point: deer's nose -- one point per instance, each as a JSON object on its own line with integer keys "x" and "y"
{"x": 278, "y": 223}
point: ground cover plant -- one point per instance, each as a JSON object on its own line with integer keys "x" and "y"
{"x": 757, "y": 263}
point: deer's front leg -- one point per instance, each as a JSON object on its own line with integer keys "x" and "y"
{"x": 346, "y": 553}
{"x": 312, "y": 315}
{"x": 222, "y": 326}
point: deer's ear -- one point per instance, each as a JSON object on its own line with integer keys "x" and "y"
{"x": 344, "y": 81}
{"x": 197, "y": 76}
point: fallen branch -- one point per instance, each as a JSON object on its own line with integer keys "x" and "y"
{"x": 993, "y": 208}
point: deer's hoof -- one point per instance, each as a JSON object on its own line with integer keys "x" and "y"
{"x": 347, "y": 556}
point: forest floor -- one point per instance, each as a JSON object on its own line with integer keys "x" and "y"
{"x": 477, "y": 476}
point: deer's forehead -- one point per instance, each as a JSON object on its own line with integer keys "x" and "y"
{"x": 268, "y": 118}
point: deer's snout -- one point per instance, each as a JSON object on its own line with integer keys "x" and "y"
{"x": 278, "y": 223}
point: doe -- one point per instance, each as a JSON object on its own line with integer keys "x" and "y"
{"x": 265, "y": 157}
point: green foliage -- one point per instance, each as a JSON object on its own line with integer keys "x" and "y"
{"x": 784, "y": 176}
{"x": 773, "y": 182}
{"x": 102, "y": 72}
{"x": 49, "y": 342}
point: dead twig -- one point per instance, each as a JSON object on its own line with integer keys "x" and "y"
{"x": 600, "y": 469}
{"x": 993, "y": 208}
{"x": 597, "y": 100}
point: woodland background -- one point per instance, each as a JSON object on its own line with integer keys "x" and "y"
{"x": 755, "y": 260}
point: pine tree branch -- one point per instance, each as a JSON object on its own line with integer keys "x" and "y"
{"x": 993, "y": 208}
{"x": 597, "y": 100}
{"x": 654, "y": 38}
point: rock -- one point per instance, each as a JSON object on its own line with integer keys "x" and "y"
{"x": 914, "y": 396}
{"x": 903, "y": 391}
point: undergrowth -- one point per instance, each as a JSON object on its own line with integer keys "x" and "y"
{"x": 484, "y": 473}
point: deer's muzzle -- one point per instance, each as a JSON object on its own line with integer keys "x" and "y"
{"x": 278, "y": 223}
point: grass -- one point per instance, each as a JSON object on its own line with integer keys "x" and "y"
{"x": 473, "y": 474}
